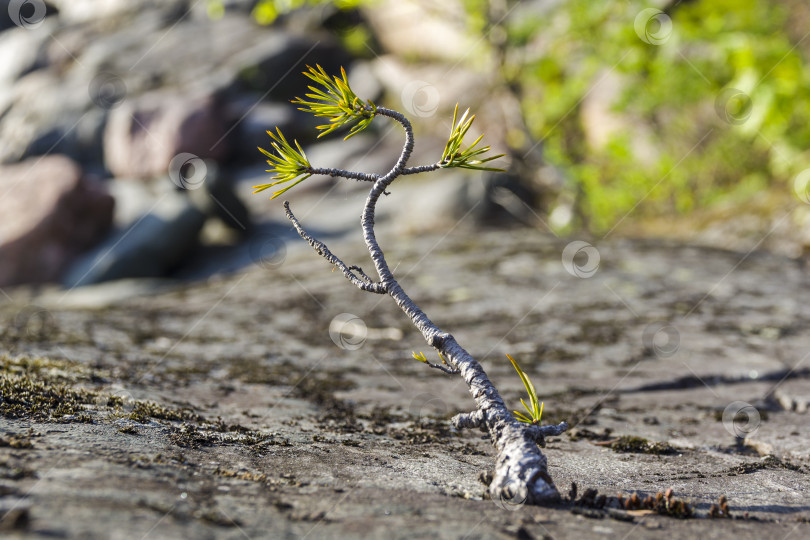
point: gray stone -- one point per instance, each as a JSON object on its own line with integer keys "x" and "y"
{"x": 133, "y": 198}
{"x": 77, "y": 11}
{"x": 219, "y": 199}
{"x": 32, "y": 110}
{"x": 339, "y": 443}
{"x": 22, "y": 50}
{"x": 48, "y": 113}
{"x": 63, "y": 79}
{"x": 364, "y": 81}
{"x": 250, "y": 119}
{"x": 158, "y": 242}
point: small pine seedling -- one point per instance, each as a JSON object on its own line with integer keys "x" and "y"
{"x": 536, "y": 409}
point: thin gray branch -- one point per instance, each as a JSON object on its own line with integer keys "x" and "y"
{"x": 369, "y": 177}
{"x": 362, "y": 274}
{"x": 323, "y": 251}
{"x": 520, "y": 465}
{"x": 469, "y": 420}
{"x": 447, "y": 369}
{"x": 421, "y": 169}
{"x": 540, "y": 432}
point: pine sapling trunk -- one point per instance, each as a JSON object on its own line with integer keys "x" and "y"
{"x": 521, "y": 472}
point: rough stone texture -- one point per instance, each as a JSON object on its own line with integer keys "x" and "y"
{"x": 355, "y": 442}
{"x": 51, "y": 213}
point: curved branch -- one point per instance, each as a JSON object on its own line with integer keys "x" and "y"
{"x": 323, "y": 251}
{"x": 540, "y": 432}
{"x": 362, "y": 274}
{"x": 520, "y": 466}
{"x": 367, "y": 219}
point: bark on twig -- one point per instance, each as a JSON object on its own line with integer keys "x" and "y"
{"x": 521, "y": 473}
{"x": 363, "y": 284}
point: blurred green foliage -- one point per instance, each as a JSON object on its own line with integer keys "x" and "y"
{"x": 267, "y": 11}
{"x": 715, "y": 88}
{"x": 354, "y": 36}
{"x": 712, "y": 108}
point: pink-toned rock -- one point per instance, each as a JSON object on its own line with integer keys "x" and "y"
{"x": 143, "y": 136}
{"x": 51, "y": 213}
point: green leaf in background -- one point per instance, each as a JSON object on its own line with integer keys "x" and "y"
{"x": 712, "y": 108}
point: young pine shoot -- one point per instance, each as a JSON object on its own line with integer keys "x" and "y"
{"x": 520, "y": 471}
{"x": 536, "y": 409}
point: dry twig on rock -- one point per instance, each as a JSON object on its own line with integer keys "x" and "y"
{"x": 521, "y": 474}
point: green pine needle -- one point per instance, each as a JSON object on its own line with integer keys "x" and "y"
{"x": 453, "y": 156}
{"x": 421, "y": 357}
{"x": 336, "y": 101}
{"x": 536, "y": 409}
{"x": 289, "y": 164}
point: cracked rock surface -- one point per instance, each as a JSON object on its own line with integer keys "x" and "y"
{"x": 225, "y": 409}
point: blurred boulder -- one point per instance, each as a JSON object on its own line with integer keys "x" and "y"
{"x": 166, "y": 234}
{"x": 364, "y": 81}
{"x": 132, "y": 200}
{"x": 28, "y": 14}
{"x": 51, "y": 213}
{"x": 152, "y": 246}
{"x": 252, "y": 119}
{"x": 420, "y": 30}
{"x": 219, "y": 199}
{"x": 22, "y": 51}
{"x": 143, "y": 135}
{"x": 46, "y": 113}
{"x": 273, "y": 64}
{"x": 73, "y": 11}
{"x": 60, "y": 83}
{"x": 423, "y": 91}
